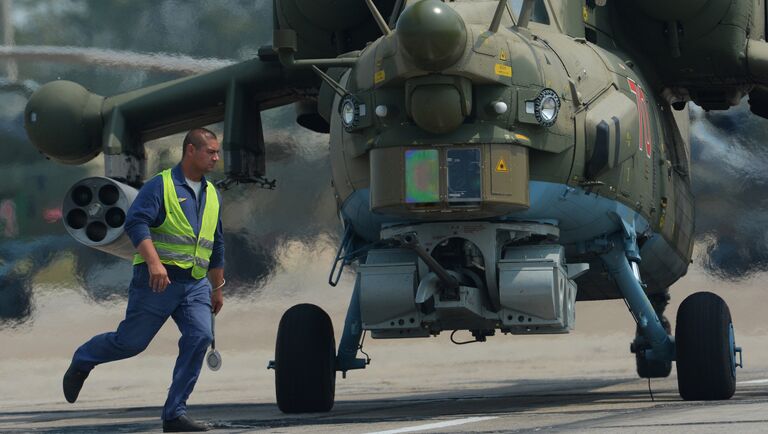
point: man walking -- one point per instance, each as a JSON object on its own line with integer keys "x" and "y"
{"x": 175, "y": 224}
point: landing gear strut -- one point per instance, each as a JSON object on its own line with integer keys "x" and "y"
{"x": 704, "y": 344}
{"x": 652, "y": 368}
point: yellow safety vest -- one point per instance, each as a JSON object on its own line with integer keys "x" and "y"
{"x": 175, "y": 240}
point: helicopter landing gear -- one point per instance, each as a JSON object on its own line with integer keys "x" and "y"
{"x": 305, "y": 361}
{"x": 621, "y": 258}
{"x": 704, "y": 344}
{"x": 653, "y": 368}
{"x": 706, "y": 351}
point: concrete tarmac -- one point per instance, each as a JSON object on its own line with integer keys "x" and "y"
{"x": 570, "y": 405}
{"x": 580, "y": 382}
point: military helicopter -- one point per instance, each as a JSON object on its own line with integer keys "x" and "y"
{"x": 493, "y": 162}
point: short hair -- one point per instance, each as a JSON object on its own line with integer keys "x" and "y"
{"x": 197, "y": 137}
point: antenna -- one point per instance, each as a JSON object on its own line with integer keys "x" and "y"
{"x": 379, "y": 19}
{"x": 497, "y": 16}
{"x": 339, "y": 89}
{"x": 395, "y": 12}
{"x": 525, "y": 13}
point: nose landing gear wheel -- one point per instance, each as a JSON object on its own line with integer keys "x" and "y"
{"x": 305, "y": 361}
{"x": 706, "y": 368}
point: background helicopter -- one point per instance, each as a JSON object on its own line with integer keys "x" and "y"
{"x": 32, "y": 236}
{"x": 310, "y": 86}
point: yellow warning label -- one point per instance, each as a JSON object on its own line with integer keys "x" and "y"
{"x": 585, "y": 13}
{"x": 503, "y": 70}
{"x": 501, "y": 166}
{"x": 379, "y": 77}
{"x": 503, "y": 55}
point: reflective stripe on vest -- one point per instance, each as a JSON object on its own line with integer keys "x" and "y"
{"x": 175, "y": 240}
{"x": 181, "y": 239}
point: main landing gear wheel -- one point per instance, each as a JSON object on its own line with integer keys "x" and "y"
{"x": 706, "y": 368}
{"x": 305, "y": 361}
{"x": 653, "y": 368}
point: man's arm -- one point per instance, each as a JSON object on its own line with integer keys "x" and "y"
{"x": 158, "y": 275}
{"x": 217, "y": 253}
{"x": 216, "y": 277}
{"x": 147, "y": 210}
{"x": 216, "y": 270}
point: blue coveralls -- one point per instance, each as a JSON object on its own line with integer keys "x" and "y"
{"x": 187, "y": 300}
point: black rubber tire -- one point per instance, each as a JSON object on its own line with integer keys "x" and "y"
{"x": 704, "y": 354}
{"x": 305, "y": 361}
{"x": 653, "y": 368}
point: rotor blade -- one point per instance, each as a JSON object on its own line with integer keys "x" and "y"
{"x": 158, "y": 62}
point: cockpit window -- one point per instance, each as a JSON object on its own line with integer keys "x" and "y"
{"x": 539, "y": 14}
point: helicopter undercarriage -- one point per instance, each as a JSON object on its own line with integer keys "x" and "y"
{"x": 456, "y": 288}
{"x": 485, "y": 277}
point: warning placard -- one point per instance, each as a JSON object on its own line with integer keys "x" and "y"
{"x": 501, "y": 166}
{"x": 503, "y": 70}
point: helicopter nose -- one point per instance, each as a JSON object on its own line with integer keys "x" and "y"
{"x": 432, "y": 34}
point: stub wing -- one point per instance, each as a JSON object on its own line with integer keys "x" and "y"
{"x": 72, "y": 125}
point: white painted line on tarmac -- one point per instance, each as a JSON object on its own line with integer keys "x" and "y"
{"x": 763, "y": 381}
{"x": 436, "y": 425}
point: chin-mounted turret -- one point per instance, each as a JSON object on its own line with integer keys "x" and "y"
{"x": 433, "y": 37}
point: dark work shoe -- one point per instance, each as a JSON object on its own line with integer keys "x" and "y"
{"x": 183, "y": 424}
{"x": 73, "y": 382}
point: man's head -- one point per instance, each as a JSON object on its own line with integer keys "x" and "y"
{"x": 201, "y": 151}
